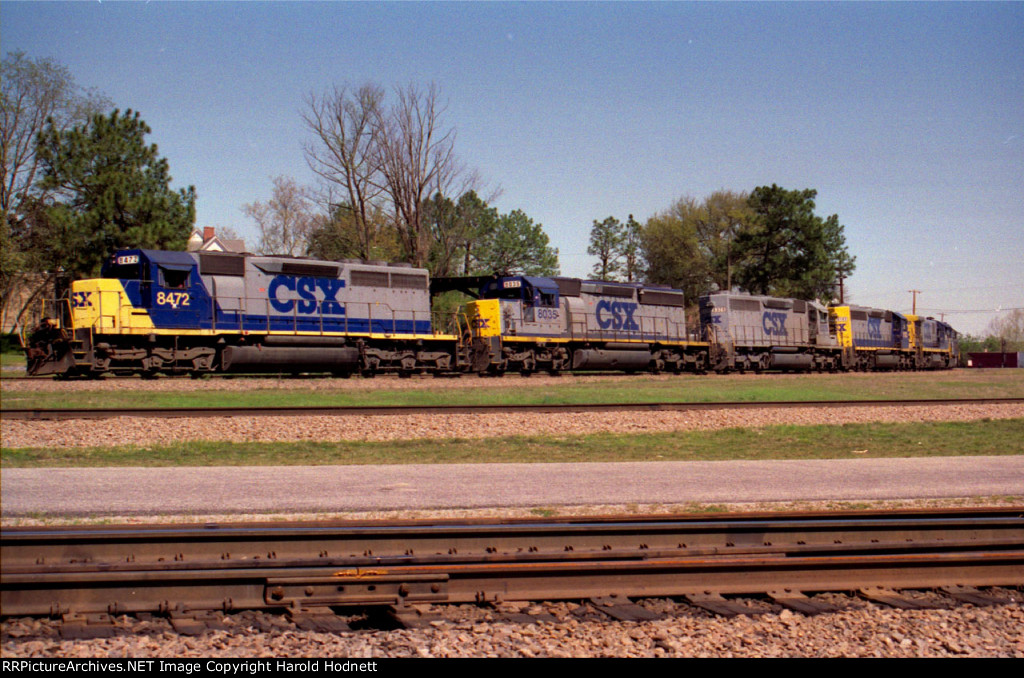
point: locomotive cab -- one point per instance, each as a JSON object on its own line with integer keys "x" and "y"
{"x": 526, "y": 304}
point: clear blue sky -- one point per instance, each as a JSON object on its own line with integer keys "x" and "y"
{"x": 908, "y": 118}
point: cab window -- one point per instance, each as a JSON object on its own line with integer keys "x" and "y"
{"x": 174, "y": 278}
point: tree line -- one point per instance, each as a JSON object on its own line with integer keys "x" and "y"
{"x": 79, "y": 181}
{"x": 390, "y": 186}
{"x": 1003, "y": 334}
{"x": 768, "y": 242}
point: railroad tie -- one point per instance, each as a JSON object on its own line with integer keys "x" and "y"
{"x": 411, "y": 616}
{"x": 622, "y": 609}
{"x": 714, "y": 602}
{"x": 75, "y": 626}
{"x": 320, "y": 619}
{"x": 521, "y": 613}
{"x": 880, "y": 594}
{"x": 969, "y": 594}
{"x": 195, "y": 622}
{"x": 798, "y": 602}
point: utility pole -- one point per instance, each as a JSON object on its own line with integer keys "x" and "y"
{"x": 842, "y": 296}
{"x": 915, "y": 293}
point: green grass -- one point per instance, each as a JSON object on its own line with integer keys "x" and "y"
{"x": 850, "y": 441}
{"x": 569, "y": 390}
{"x": 12, "y": 360}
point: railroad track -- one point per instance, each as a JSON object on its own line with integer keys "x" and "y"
{"x": 30, "y": 413}
{"x": 84, "y": 574}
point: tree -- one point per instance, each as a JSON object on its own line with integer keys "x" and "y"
{"x": 32, "y": 92}
{"x": 1008, "y": 331}
{"x": 417, "y": 157}
{"x": 671, "y": 247}
{"x": 110, "y": 190}
{"x": 789, "y": 251}
{"x": 339, "y": 236}
{"x": 442, "y": 223}
{"x": 518, "y": 246}
{"x": 478, "y": 224}
{"x": 345, "y": 154}
{"x": 606, "y": 241}
{"x": 393, "y": 158}
{"x": 286, "y": 221}
{"x": 632, "y": 250}
{"x": 722, "y": 217}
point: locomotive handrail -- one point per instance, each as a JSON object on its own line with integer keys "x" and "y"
{"x": 752, "y": 335}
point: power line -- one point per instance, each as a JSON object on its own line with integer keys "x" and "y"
{"x": 980, "y": 310}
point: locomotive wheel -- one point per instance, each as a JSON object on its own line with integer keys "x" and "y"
{"x": 700, "y": 364}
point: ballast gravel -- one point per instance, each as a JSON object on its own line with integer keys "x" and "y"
{"x": 143, "y": 431}
{"x": 859, "y": 629}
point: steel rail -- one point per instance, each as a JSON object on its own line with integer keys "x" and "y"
{"x": 157, "y": 543}
{"x": 52, "y": 414}
{"x": 100, "y": 570}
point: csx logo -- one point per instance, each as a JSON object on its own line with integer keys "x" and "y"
{"x": 774, "y": 323}
{"x": 306, "y": 289}
{"x": 81, "y": 299}
{"x": 481, "y": 323}
{"x": 616, "y": 315}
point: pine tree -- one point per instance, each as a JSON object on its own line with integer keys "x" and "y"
{"x": 606, "y": 241}
{"x": 111, "y": 191}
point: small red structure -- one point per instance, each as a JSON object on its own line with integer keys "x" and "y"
{"x": 995, "y": 360}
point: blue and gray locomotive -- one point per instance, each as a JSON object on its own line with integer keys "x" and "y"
{"x": 525, "y": 324}
{"x": 153, "y": 311}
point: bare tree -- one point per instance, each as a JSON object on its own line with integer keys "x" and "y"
{"x": 376, "y": 159}
{"x": 417, "y": 159}
{"x": 1008, "y": 330}
{"x": 344, "y": 153}
{"x": 33, "y": 92}
{"x": 286, "y": 220}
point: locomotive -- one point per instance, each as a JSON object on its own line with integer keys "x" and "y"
{"x": 527, "y": 323}
{"x": 763, "y": 333}
{"x": 154, "y": 311}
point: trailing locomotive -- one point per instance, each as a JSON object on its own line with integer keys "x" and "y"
{"x": 525, "y": 324}
{"x": 763, "y": 333}
{"x": 189, "y": 312}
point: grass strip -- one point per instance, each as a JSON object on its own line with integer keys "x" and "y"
{"x": 619, "y": 389}
{"x": 848, "y": 441}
